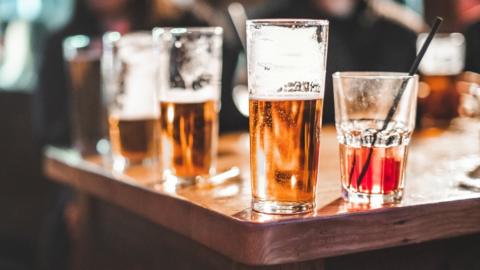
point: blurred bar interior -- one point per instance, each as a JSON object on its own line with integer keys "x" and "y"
{"x": 40, "y": 91}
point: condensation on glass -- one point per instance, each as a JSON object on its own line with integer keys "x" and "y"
{"x": 87, "y": 113}
{"x": 286, "y": 81}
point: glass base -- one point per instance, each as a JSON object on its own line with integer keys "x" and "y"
{"x": 120, "y": 163}
{"x": 171, "y": 178}
{"x": 369, "y": 198}
{"x": 282, "y": 208}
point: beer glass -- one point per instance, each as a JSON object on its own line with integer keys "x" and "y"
{"x": 286, "y": 80}
{"x": 189, "y": 100}
{"x": 88, "y": 117}
{"x": 439, "y": 69}
{"x": 129, "y": 69}
{"x": 374, "y": 137}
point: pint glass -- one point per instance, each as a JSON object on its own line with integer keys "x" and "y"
{"x": 88, "y": 117}
{"x": 286, "y": 76}
{"x": 129, "y": 69}
{"x": 189, "y": 99}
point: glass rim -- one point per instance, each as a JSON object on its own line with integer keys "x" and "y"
{"x": 442, "y": 35}
{"x": 87, "y": 45}
{"x": 186, "y": 30}
{"x": 78, "y": 41}
{"x": 288, "y": 22}
{"x": 372, "y": 75}
{"x": 113, "y": 38}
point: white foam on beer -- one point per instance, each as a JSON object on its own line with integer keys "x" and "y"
{"x": 139, "y": 99}
{"x": 190, "y": 96}
{"x": 287, "y": 97}
{"x": 445, "y": 55}
{"x": 136, "y": 48}
{"x": 280, "y": 55}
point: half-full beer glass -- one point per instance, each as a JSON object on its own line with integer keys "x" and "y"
{"x": 286, "y": 76}
{"x": 189, "y": 100}
{"x": 129, "y": 69}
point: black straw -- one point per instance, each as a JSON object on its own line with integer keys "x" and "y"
{"x": 421, "y": 53}
{"x": 398, "y": 97}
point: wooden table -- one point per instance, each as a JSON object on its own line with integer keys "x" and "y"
{"x": 131, "y": 221}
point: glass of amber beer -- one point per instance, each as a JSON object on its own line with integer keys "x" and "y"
{"x": 129, "y": 72}
{"x": 189, "y": 100}
{"x": 440, "y": 70}
{"x": 286, "y": 76}
{"x": 373, "y": 137}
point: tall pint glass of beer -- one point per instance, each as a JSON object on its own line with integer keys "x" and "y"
{"x": 129, "y": 70}
{"x": 189, "y": 100}
{"x": 286, "y": 76}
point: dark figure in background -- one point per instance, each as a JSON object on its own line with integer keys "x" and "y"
{"x": 51, "y": 98}
{"x": 472, "y": 57}
{"x": 363, "y": 36}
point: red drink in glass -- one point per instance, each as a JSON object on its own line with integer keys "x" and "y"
{"x": 374, "y": 118}
{"x": 381, "y": 179}
{"x": 384, "y": 175}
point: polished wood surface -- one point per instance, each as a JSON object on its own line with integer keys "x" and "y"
{"x": 106, "y": 236}
{"x": 219, "y": 217}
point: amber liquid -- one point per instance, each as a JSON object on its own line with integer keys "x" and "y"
{"x": 136, "y": 140}
{"x": 441, "y": 102}
{"x": 189, "y": 137}
{"x": 385, "y": 172}
{"x": 284, "y": 149}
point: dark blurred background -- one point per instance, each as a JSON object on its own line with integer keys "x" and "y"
{"x": 34, "y": 109}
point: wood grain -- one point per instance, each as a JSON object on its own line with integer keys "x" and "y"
{"x": 219, "y": 217}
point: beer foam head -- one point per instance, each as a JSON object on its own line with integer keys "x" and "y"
{"x": 135, "y": 48}
{"x": 445, "y": 55}
{"x": 178, "y": 95}
{"x": 137, "y": 79}
{"x": 280, "y": 56}
{"x": 139, "y": 97}
{"x": 137, "y": 105}
{"x": 291, "y": 96}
